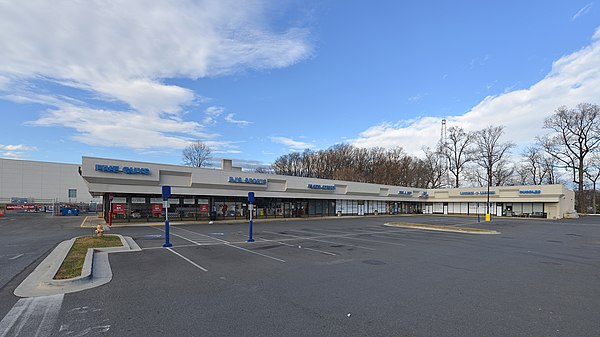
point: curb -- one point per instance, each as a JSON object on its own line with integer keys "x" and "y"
{"x": 95, "y": 272}
{"x": 488, "y": 232}
{"x": 238, "y": 221}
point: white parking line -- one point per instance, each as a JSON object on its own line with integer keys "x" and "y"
{"x": 188, "y": 260}
{"x": 349, "y": 236}
{"x": 16, "y": 257}
{"x": 307, "y": 248}
{"x": 227, "y": 243}
{"x": 319, "y": 240}
{"x": 32, "y": 316}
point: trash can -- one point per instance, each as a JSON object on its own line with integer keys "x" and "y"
{"x": 213, "y": 216}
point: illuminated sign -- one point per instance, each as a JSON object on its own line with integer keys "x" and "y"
{"x": 124, "y": 169}
{"x": 530, "y": 191}
{"x": 477, "y": 193}
{"x": 255, "y": 181}
{"x": 321, "y": 187}
{"x": 405, "y": 192}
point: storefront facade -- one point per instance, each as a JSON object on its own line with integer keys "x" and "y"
{"x": 132, "y": 192}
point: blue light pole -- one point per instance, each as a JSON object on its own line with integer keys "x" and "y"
{"x": 250, "y": 207}
{"x": 166, "y": 193}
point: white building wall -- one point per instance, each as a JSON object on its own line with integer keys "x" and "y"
{"x": 41, "y": 182}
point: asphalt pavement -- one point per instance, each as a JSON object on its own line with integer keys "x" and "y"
{"x": 343, "y": 277}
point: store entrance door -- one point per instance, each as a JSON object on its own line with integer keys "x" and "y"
{"x": 361, "y": 209}
{"x": 287, "y": 210}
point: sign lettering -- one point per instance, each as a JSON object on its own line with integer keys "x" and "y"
{"x": 124, "y": 169}
{"x": 321, "y": 187}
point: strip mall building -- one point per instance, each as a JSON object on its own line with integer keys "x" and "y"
{"x": 134, "y": 191}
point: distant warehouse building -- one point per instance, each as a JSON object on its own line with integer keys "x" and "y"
{"x": 132, "y": 191}
{"x": 41, "y": 183}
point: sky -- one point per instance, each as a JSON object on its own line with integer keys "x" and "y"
{"x": 140, "y": 80}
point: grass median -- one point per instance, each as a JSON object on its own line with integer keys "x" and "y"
{"x": 73, "y": 263}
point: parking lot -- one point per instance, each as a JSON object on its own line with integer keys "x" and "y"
{"x": 346, "y": 277}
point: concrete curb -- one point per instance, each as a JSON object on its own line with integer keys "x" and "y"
{"x": 96, "y": 270}
{"x": 489, "y": 231}
{"x": 259, "y": 220}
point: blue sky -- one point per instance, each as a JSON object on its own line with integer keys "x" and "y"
{"x": 257, "y": 79}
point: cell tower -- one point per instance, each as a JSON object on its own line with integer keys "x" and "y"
{"x": 443, "y": 137}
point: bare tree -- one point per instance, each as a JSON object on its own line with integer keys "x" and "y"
{"x": 503, "y": 173}
{"x": 196, "y": 154}
{"x": 435, "y": 168}
{"x": 490, "y": 151}
{"x": 534, "y": 164}
{"x": 459, "y": 152}
{"x": 576, "y": 135}
{"x": 592, "y": 172}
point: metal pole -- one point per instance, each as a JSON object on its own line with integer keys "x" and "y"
{"x": 250, "y": 239}
{"x": 488, "y": 216}
{"x": 478, "y": 217}
{"x": 167, "y": 242}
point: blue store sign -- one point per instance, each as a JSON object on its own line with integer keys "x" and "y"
{"x": 255, "y": 181}
{"x": 124, "y": 169}
{"x": 321, "y": 187}
{"x": 477, "y": 193}
{"x": 530, "y": 191}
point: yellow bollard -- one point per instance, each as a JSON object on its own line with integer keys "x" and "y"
{"x": 488, "y": 217}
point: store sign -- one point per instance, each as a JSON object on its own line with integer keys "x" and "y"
{"x": 477, "y": 193}
{"x": 156, "y": 201}
{"x": 203, "y": 201}
{"x": 124, "y": 169}
{"x": 118, "y": 208}
{"x": 138, "y": 200}
{"x": 19, "y": 207}
{"x": 189, "y": 201}
{"x": 405, "y": 192}
{"x": 255, "y": 181}
{"x": 157, "y": 208}
{"x": 530, "y": 191}
{"x": 203, "y": 208}
{"x": 321, "y": 187}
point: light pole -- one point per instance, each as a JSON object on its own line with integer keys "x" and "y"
{"x": 488, "y": 217}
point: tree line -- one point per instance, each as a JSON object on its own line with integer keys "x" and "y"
{"x": 568, "y": 153}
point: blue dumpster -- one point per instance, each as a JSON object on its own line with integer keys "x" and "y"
{"x": 69, "y": 211}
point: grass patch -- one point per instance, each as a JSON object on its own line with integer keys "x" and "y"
{"x": 436, "y": 227}
{"x": 73, "y": 263}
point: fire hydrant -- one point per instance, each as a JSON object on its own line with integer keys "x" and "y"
{"x": 99, "y": 230}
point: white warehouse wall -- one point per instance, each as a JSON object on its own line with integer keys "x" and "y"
{"x": 41, "y": 181}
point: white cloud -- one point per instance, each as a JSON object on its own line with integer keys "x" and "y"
{"x": 124, "y": 51}
{"x": 125, "y": 129}
{"x": 212, "y": 113}
{"x": 574, "y": 78}
{"x": 229, "y": 119}
{"x": 13, "y": 155}
{"x": 416, "y": 98}
{"x": 17, "y": 147}
{"x": 292, "y": 144}
{"x": 583, "y": 11}
{"x": 15, "y": 151}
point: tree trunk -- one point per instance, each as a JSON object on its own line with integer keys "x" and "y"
{"x": 594, "y": 199}
{"x": 581, "y": 196}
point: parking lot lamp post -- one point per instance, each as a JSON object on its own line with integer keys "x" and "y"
{"x": 488, "y": 216}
